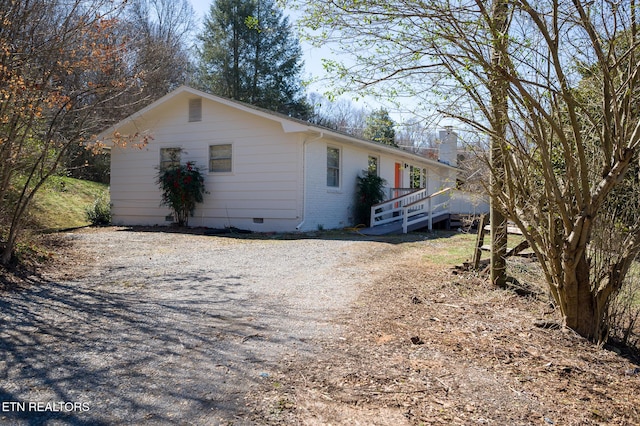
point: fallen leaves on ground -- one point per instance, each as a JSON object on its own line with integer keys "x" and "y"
{"x": 423, "y": 346}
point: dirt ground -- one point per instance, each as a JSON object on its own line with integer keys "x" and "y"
{"x": 424, "y": 344}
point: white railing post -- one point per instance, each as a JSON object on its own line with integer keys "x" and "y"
{"x": 372, "y": 219}
{"x": 430, "y": 214}
{"x": 405, "y": 218}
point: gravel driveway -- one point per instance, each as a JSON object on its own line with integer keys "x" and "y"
{"x": 167, "y": 328}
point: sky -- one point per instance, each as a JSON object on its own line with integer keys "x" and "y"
{"x": 313, "y": 70}
{"x": 312, "y": 56}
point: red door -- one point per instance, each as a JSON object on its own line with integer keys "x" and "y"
{"x": 398, "y": 179}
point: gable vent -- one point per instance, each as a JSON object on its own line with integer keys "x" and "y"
{"x": 195, "y": 110}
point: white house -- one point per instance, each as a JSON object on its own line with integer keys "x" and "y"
{"x": 263, "y": 171}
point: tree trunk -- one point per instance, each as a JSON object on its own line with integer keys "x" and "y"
{"x": 235, "y": 89}
{"x": 498, "y": 88}
{"x": 498, "y": 246}
{"x": 6, "y": 255}
{"x": 7, "y": 250}
{"x": 580, "y": 313}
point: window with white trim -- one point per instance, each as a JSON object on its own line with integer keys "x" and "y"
{"x": 415, "y": 175}
{"x": 220, "y": 158}
{"x": 333, "y": 167}
{"x": 418, "y": 177}
{"x": 169, "y": 157}
{"x": 373, "y": 165}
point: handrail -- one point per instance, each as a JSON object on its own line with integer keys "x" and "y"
{"x": 392, "y": 210}
{"x": 435, "y": 194}
{"x": 410, "y": 212}
{"x": 399, "y": 197}
{"x": 400, "y": 192}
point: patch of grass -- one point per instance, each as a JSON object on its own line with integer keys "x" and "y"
{"x": 450, "y": 248}
{"x": 62, "y": 203}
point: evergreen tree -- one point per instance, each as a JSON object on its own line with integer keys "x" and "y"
{"x": 249, "y": 53}
{"x": 380, "y": 128}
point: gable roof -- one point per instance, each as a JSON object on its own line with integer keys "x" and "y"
{"x": 289, "y": 124}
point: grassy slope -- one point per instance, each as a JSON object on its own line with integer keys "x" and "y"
{"x": 62, "y": 202}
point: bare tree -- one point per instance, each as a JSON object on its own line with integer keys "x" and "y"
{"x": 161, "y": 33}
{"x": 562, "y": 153}
{"x": 62, "y": 65}
{"x": 341, "y": 115}
{"x": 498, "y": 21}
{"x": 414, "y": 136}
{"x": 567, "y": 157}
{"x": 158, "y": 35}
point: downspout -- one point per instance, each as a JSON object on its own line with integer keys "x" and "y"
{"x": 304, "y": 177}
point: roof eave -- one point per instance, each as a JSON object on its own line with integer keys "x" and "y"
{"x": 378, "y": 147}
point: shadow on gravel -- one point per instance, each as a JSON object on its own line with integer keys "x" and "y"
{"x": 98, "y": 357}
{"x": 348, "y": 234}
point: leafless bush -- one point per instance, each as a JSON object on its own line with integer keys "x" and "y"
{"x": 624, "y": 311}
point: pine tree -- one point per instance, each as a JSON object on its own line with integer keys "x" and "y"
{"x": 249, "y": 53}
{"x": 380, "y": 128}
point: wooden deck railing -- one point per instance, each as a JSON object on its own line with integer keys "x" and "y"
{"x": 399, "y": 192}
{"x": 391, "y": 210}
{"x": 412, "y": 208}
{"x": 426, "y": 209}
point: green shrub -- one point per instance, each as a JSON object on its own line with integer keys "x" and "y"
{"x": 370, "y": 191}
{"x": 100, "y": 212}
{"x": 182, "y": 188}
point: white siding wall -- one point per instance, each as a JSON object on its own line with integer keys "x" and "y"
{"x": 386, "y": 170}
{"x": 264, "y": 184}
{"x": 330, "y": 208}
{"x": 270, "y": 170}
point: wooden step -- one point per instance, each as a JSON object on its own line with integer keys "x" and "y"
{"x": 513, "y": 230}
{"x": 513, "y": 251}
{"x": 480, "y": 246}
